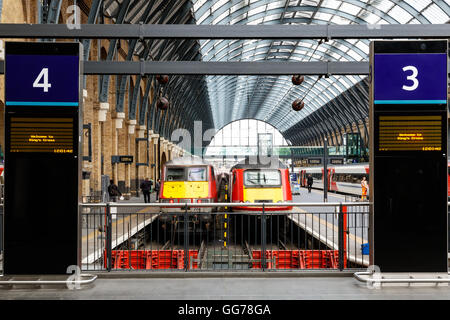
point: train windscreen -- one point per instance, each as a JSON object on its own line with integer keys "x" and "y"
{"x": 187, "y": 174}
{"x": 262, "y": 178}
{"x": 197, "y": 174}
{"x": 175, "y": 174}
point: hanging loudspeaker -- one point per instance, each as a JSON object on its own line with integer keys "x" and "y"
{"x": 162, "y": 79}
{"x": 298, "y": 104}
{"x": 162, "y": 103}
{"x": 297, "y": 79}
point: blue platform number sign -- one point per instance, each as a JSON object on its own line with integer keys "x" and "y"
{"x": 412, "y": 78}
{"x": 42, "y": 80}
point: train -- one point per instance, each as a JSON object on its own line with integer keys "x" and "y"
{"x": 344, "y": 179}
{"x": 188, "y": 180}
{"x": 259, "y": 180}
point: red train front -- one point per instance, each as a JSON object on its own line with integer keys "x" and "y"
{"x": 256, "y": 182}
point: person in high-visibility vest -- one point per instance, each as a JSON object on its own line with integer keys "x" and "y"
{"x": 364, "y": 186}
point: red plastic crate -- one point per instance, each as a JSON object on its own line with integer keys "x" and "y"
{"x": 297, "y": 259}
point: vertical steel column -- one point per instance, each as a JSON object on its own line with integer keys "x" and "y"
{"x": 108, "y": 237}
{"x": 341, "y": 237}
{"x": 325, "y": 170}
{"x": 159, "y": 157}
{"x": 186, "y": 239}
{"x": 263, "y": 239}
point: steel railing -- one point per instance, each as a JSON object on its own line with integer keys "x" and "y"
{"x": 132, "y": 236}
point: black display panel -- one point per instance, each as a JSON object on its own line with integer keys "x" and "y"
{"x": 408, "y": 155}
{"x": 42, "y": 163}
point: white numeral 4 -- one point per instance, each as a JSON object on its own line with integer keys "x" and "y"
{"x": 45, "y": 84}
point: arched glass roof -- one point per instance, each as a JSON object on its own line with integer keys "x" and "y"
{"x": 269, "y": 98}
{"x": 330, "y": 103}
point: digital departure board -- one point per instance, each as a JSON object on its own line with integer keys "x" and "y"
{"x": 408, "y": 184}
{"x": 43, "y": 137}
{"x": 54, "y": 135}
{"x": 410, "y": 133}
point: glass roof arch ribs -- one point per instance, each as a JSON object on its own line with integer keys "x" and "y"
{"x": 288, "y": 94}
{"x": 177, "y": 86}
{"x": 337, "y": 12}
{"x": 268, "y": 92}
{"x": 261, "y": 50}
{"x": 279, "y": 102}
{"x": 341, "y": 103}
{"x": 329, "y": 122}
{"x": 310, "y": 127}
{"x": 354, "y": 107}
{"x": 163, "y": 8}
{"x": 320, "y": 124}
{"x": 361, "y": 108}
{"x": 303, "y": 97}
{"x": 362, "y": 89}
{"x": 104, "y": 80}
{"x": 92, "y": 18}
{"x": 328, "y": 116}
{"x": 123, "y": 80}
{"x": 368, "y": 8}
{"x": 187, "y": 96}
{"x": 308, "y": 99}
{"x": 143, "y": 105}
{"x": 131, "y": 49}
{"x": 133, "y": 99}
{"x": 160, "y": 124}
{"x": 308, "y": 135}
{"x": 336, "y": 116}
{"x": 203, "y": 104}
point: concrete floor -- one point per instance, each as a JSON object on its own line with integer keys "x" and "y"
{"x": 217, "y": 286}
{"x": 228, "y": 288}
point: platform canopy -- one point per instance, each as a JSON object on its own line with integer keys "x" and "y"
{"x": 331, "y": 103}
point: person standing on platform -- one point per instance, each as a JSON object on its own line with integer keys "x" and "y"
{"x": 309, "y": 181}
{"x": 146, "y": 187}
{"x": 157, "y": 186}
{"x": 364, "y": 188}
{"x": 113, "y": 191}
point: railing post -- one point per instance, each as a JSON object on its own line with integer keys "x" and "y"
{"x": 263, "y": 239}
{"x": 341, "y": 237}
{"x": 108, "y": 237}
{"x": 186, "y": 239}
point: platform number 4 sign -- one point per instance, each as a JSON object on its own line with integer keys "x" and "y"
{"x": 45, "y": 84}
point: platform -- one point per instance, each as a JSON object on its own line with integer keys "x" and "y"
{"x": 324, "y": 226}
{"x": 240, "y": 287}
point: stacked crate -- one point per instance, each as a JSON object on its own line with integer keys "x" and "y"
{"x": 297, "y": 259}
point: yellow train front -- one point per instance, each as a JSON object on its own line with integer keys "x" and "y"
{"x": 187, "y": 180}
{"x": 253, "y": 182}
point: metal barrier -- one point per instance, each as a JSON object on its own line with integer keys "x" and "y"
{"x": 125, "y": 236}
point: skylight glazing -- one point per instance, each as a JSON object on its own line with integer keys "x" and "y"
{"x": 270, "y": 98}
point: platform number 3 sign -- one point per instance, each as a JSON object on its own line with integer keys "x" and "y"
{"x": 43, "y": 76}
{"x": 412, "y": 77}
